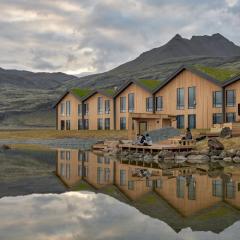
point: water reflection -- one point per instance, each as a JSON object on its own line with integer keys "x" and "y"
{"x": 187, "y": 190}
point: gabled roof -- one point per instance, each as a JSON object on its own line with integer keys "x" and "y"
{"x": 106, "y": 92}
{"x": 79, "y": 93}
{"x": 232, "y": 80}
{"x": 191, "y": 69}
{"x": 148, "y": 85}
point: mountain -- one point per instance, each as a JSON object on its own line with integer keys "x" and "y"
{"x": 26, "y": 97}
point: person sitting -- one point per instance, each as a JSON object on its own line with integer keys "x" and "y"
{"x": 148, "y": 140}
{"x": 142, "y": 139}
{"x": 188, "y": 134}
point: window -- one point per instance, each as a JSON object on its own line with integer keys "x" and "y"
{"x": 159, "y": 183}
{"x": 131, "y": 102}
{"x": 192, "y": 121}
{"x": 217, "y": 99}
{"x": 106, "y": 160}
{"x": 99, "y": 175}
{"x": 62, "y": 155}
{"x": 100, "y": 124}
{"x": 122, "y": 104}
{"x": 86, "y": 124}
{"x": 217, "y": 188}
{"x": 86, "y": 109}
{"x": 149, "y": 183}
{"x": 230, "y": 98}
{"x": 79, "y": 170}
{"x": 180, "y": 186}
{"x": 159, "y": 103}
{"x": 79, "y": 109}
{"x": 230, "y": 190}
{"x": 62, "y": 109}
{"x": 107, "y": 106}
{"x": 191, "y": 97}
{"x": 68, "y": 155}
{"x": 62, "y": 169}
{"x": 230, "y": 117}
{"x": 68, "y": 108}
{"x": 100, "y": 105}
{"x": 80, "y": 124}
{"x": 122, "y": 177}
{"x": 180, "y": 98}
{"x": 217, "y": 118}
{"x": 149, "y": 104}
{"x": 68, "y": 125}
{"x": 62, "y": 124}
{"x": 192, "y": 189}
{"x": 123, "y": 125}
{"x": 100, "y": 159}
{"x": 107, "y": 175}
{"x": 80, "y": 156}
{"x": 107, "y": 123}
{"x": 130, "y": 185}
{"x": 180, "y": 121}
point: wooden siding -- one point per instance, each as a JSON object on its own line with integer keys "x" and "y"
{"x": 204, "y": 107}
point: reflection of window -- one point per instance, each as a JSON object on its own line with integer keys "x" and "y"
{"x": 100, "y": 159}
{"x": 130, "y": 185}
{"x": 148, "y": 183}
{"x": 62, "y": 170}
{"x": 68, "y": 155}
{"x": 99, "y": 175}
{"x": 85, "y": 171}
{"x": 159, "y": 183}
{"x": 107, "y": 174}
{"x": 106, "y": 160}
{"x": 122, "y": 177}
{"x": 230, "y": 190}
{"x": 68, "y": 171}
{"x": 79, "y": 170}
{"x": 192, "y": 189}
{"x": 180, "y": 186}
{"x": 62, "y": 155}
{"x": 217, "y": 189}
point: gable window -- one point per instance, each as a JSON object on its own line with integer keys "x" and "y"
{"x": 107, "y": 106}
{"x": 192, "y": 121}
{"x": 122, "y": 104}
{"x": 180, "y": 121}
{"x": 79, "y": 109}
{"x": 123, "y": 124}
{"x": 68, "y": 108}
{"x": 100, "y": 105}
{"x": 217, "y": 118}
{"x": 62, "y": 109}
{"x": 217, "y": 99}
{"x": 230, "y": 117}
{"x": 180, "y": 98}
{"x": 107, "y": 123}
{"x": 191, "y": 97}
{"x": 131, "y": 102}
{"x": 68, "y": 125}
{"x": 100, "y": 124}
{"x": 159, "y": 103}
{"x": 149, "y": 104}
{"x": 230, "y": 98}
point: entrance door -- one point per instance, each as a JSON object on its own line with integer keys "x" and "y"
{"x": 142, "y": 127}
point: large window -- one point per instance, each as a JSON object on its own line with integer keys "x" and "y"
{"x": 100, "y": 177}
{"x": 181, "y": 182}
{"x": 107, "y": 106}
{"x": 217, "y": 118}
{"x": 230, "y": 190}
{"x": 192, "y": 121}
{"x": 68, "y": 108}
{"x": 107, "y": 175}
{"x": 149, "y": 104}
{"x": 107, "y": 123}
{"x": 122, "y": 177}
{"x": 159, "y": 103}
{"x": 230, "y": 117}
{"x": 230, "y": 98}
{"x": 100, "y": 105}
{"x": 217, "y": 99}
{"x": 131, "y": 102}
{"x": 192, "y": 189}
{"x": 191, "y": 97}
{"x": 80, "y": 124}
{"x": 100, "y": 124}
{"x": 180, "y": 121}
{"x": 68, "y": 125}
{"x": 180, "y": 98}
{"x": 217, "y": 188}
{"x": 79, "y": 109}
{"x": 123, "y": 104}
{"x": 123, "y": 124}
{"x": 62, "y": 109}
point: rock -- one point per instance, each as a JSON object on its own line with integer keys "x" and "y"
{"x": 147, "y": 158}
{"x": 216, "y": 158}
{"x": 227, "y": 159}
{"x": 236, "y": 159}
{"x": 215, "y": 152}
{"x": 156, "y": 157}
{"x": 198, "y": 159}
{"x": 231, "y": 153}
{"x": 215, "y": 144}
{"x": 166, "y": 153}
{"x": 226, "y": 133}
{"x": 180, "y": 159}
{"x": 204, "y": 152}
{"x": 223, "y": 154}
{"x": 238, "y": 153}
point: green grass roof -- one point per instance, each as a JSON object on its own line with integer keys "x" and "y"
{"x": 220, "y": 74}
{"x": 150, "y": 84}
{"x": 109, "y": 91}
{"x": 81, "y": 92}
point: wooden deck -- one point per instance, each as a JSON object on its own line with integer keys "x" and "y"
{"x": 156, "y": 148}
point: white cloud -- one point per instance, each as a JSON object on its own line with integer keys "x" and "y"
{"x": 231, "y": 3}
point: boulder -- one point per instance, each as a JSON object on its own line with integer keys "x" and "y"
{"x": 215, "y": 144}
{"x": 236, "y": 159}
{"x": 231, "y": 153}
{"x": 226, "y": 133}
{"x": 180, "y": 159}
{"x": 198, "y": 159}
{"x": 227, "y": 159}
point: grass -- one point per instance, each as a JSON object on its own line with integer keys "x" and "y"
{"x": 56, "y": 134}
{"x": 150, "y": 84}
{"x": 81, "y": 92}
{"x": 215, "y": 213}
{"x": 149, "y": 199}
{"x": 109, "y": 91}
{"x": 33, "y": 147}
{"x": 220, "y": 74}
{"x": 82, "y": 186}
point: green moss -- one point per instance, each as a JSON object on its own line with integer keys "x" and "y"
{"x": 220, "y": 74}
{"x": 213, "y": 214}
{"x": 149, "y": 199}
{"x": 150, "y": 84}
{"x": 81, "y": 92}
{"x": 82, "y": 186}
{"x": 109, "y": 91}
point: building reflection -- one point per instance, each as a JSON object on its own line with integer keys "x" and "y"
{"x": 187, "y": 189}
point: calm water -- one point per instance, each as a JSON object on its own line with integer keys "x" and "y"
{"x": 120, "y": 200}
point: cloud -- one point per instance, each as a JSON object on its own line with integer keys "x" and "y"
{"x": 93, "y": 36}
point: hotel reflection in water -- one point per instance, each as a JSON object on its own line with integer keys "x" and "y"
{"x": 186, "y": 189}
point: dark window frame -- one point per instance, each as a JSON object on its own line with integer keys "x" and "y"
{"x": 159, "y": 103}
{"x": 180, "y": 99}
{"x": 192, "y": 102}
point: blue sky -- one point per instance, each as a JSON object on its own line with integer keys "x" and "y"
{"x": 90, "y": 36}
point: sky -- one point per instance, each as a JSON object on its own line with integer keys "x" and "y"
{"x": 92, "y": 36}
